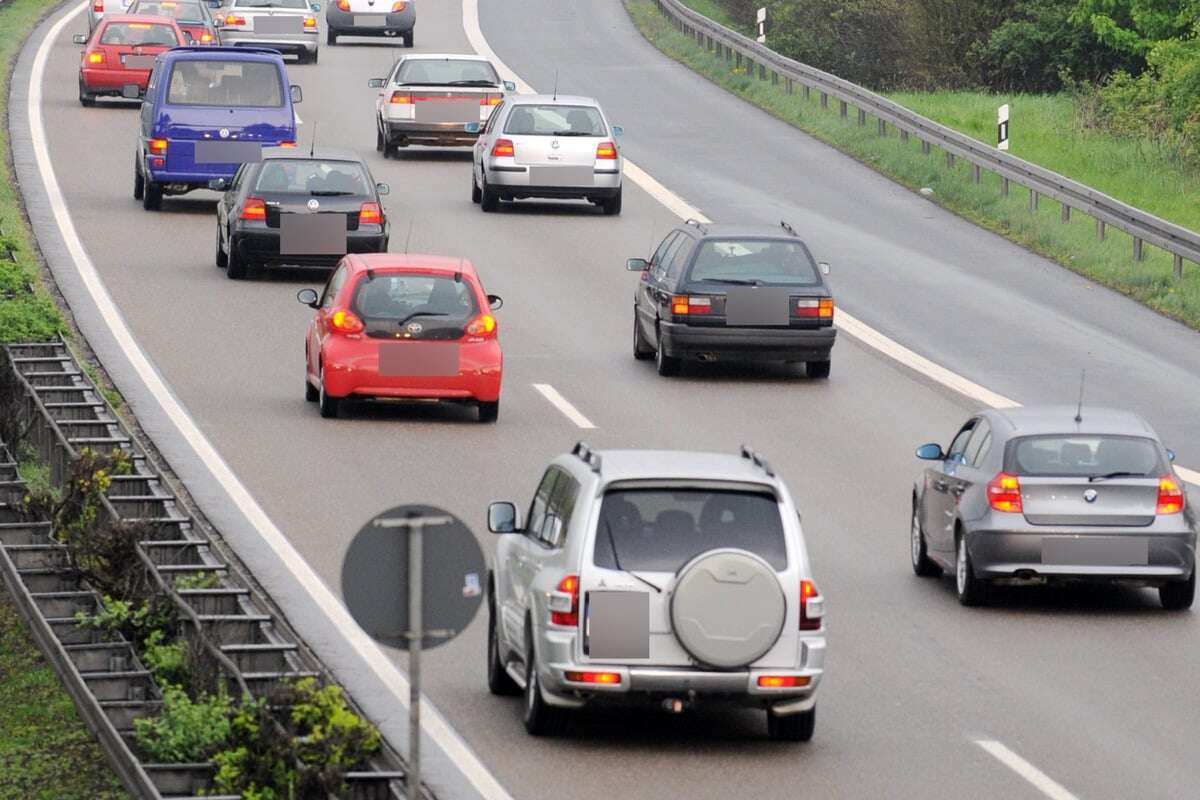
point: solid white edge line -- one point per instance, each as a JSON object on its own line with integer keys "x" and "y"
{"x": 852, "y": 326}
{"x": 564, "y": 405}
{"x": 1040, "y": 780}
{"x": 432, "y": 722}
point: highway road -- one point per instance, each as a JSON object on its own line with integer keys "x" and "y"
{"x": 1089, "y": 687}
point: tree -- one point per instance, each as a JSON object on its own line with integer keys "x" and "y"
{"x": 1135, "y": 26}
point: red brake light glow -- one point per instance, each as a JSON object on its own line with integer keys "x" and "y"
{"x": 812, "y": 606}
{"x": 401, "y": 99}
{"x": 370, "y": 214}
{"x": 206, "y": 37}
{"x": 606, "y": 151}
{"x": 98, "y": 6}
{"x": 158, "y": 146}
{"x": 1170, "y": 496}
{"x": 344, "y": 321}
{"x": 483, "y": 326}
{"x": 343, "y": 5}
{"x": 287, "y": 144}
{"x": 254, "y": 209}
{"x": 310, "y": 22}
{"x": 490, "y": 100}
{"x": 567, "y": 593}
{"x": 783, "y": 681}
{"x": 690, "y": 304}
{"x": 503, "y": 148}
{"x": 594, "y": 677}
{"x": 233, "y": 19}
{"x": 1004, "y": 493}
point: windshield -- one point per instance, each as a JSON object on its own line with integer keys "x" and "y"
{"x": 531, "y": 120}
{"x": 312, "y": 177}
{"x": 660, "y": 530}
{"x": 225, "y": 83}
{"x": 139, "y": 33}
{"x": 422, "y": 306}
{"x": 181, "y": 11}
{"x": 300, "y": 4}
{"x": 766, "y": 261}
{"x": 447, "y": 72}
{"x": 1084, "y": 456}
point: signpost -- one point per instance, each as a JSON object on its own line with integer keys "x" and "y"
{"x": 1002, "y": 128}
{"x": 762, "y": 26}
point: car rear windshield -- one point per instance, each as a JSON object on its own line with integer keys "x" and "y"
{"x": 139, "y": 33}
{"x": 312, "y": 177}
{"x": 555, "y": 120}
{"x": 300, "y": 4}
{"x": 422, "y": 306}
{"x": 215, "y": 82}
{"x": 660, "y": 530}
{"x": 447, "y": 72}
{"x": 759, "y": 260}
{"x": 1084, "y": 456}
{"x": 182, "y": 12}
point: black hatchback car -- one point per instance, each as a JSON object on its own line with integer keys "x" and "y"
{"x": 296, "y": 210}
{"x": 733, "y": 293}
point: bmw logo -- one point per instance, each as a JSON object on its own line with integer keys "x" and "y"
{"x": 223, "y": 133}
{"x": 1090, "y": 495}
{"x": 314, "y": 204}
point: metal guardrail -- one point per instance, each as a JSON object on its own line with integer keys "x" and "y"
{"x": 1182, "y": 243}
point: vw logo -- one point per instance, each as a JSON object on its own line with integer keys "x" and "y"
{"x": 1090, "y": 495}
{"x": 314, "y": 204}
{"x": 415, "y": 327}
{"x": 223, "y": 133}
{"x": 554, "y": 143}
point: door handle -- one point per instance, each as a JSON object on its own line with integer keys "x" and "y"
{"x": 940, "y": 485}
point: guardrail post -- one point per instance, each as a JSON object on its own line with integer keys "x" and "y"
{"x": 1178, "y": 266}
{"x": 728, "y": 53}
{"x": 862, "y": 117}
{"x": 807, "y": 92}
{"x": 1066, "y": 213}
{"x": 975, "y": 176}
{"x": 1004, "y": 187}
{"x": 1138, "y": 254}
{"x": 950, "y": 160}
{"x": 1100, "y": 229}
{"x": 738, "y": 63}
{"x": 1033, "y": 200}
{"x": 924, "y": 147}
{"x": 762, "y": 72}
{"x": 903, "y": 135}
{"x": 774, "y": 78}
{"x": 790, "y": 88}
{"x": 824, "y": 100}
{"x": 842, "y": 112}
{"x": 882, "y": 128}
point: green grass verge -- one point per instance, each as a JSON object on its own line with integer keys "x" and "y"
{"x": 45, "y": 751}
{"x": 1073, "y": 244}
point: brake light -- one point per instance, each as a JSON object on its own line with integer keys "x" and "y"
{"x": 310, "y": 22}
{"x": 399, "y": 6}
{"x": 233, "y": 19}
{"x": 96, "y": 58}
{"x": 783, "y": 681}
{"x": 564, "y": 602}
{"x": 594, "y": 677}
{"x": 287, "y": 144}
{"x": 254, "y": 208}
{"x": 1004, "y": 493}
{"x": 370, "y": 214}
{"x": 490, "y": 100}
{"x": 98, "y": 6}
{"x": 812, "y": 606}
{"x": 483, "y": 326}
{"x": 690, "y": 304}
{"x": 142, "y": 26}
{"x": 1170, "y": 496}
{"x": 158, "y": 146}
{"x": 400, "y": 99}
{"x": 206, "y": 37}
{"x": 503, "y": 148}
{"x": 606, "y": 151}
{"x": 343, "y": 5}
{"x": 344, "y": 321}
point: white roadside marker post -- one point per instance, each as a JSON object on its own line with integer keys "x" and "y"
{"x": 1002, "y": 128}
{"x": 762, "y": 26}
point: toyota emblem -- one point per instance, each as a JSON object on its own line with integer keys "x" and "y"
{"x": 223, "y": 133}
{"x": 415, "y": 327}
{"x": 1090, "y": 495}
{"x": 314, "y": 204}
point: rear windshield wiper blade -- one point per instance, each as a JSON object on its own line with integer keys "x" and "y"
{"x": 474, "y": 82}
{"x": 416, "y": 314}
{"x": 617, "y": 560}
{"x": 329, "y": 193}
{"x": 573, "y": 133}
{"x": 1118, "y": 474}
{"x": 734, "y": 281}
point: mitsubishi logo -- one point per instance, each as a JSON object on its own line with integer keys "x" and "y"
{"x": 1090, "y": 495}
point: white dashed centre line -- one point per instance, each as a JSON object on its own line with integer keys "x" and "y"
{"x": 564, "y": 405}
{"x": 1040, "y": 780}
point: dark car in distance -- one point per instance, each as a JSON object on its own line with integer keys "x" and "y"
{"x": 732, "y": 293}
{"x": 293, "y": 209}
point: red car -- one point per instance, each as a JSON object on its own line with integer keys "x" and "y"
{"x": 403, "y": 326}
{"x": 120, "y": 54}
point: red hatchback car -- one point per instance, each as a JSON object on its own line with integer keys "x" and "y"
{"x": 120, "y": 54}
{"x": 403, "y": 326}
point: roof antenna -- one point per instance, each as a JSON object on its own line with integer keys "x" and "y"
{"x": 313, "y": 145}
{"x": 1079, "y": 407}
{"x": 556, "y": 86}
{"x": 409, "y": 236}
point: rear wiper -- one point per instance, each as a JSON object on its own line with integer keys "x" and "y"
{"x": 422, "y": 83}
{"x": 1118, "y": 474}
{"x": 422, "y": 314}
{"x": 617, "y": 560}
{"x": 734, "y": 281}
{"x": 329, "y": 193}
{"x": 475, "y": 82}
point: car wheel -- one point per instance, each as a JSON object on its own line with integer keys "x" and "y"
{"x": 151, "y": 196}
{"x": 315, "y": 56}
{"x": 329, "y": 405}
{"x": 330, "y": 36}
{"x": 971, "y": 590}
{"x": 921, "y": 563}
{"x": 489, "y": 412}
{"x": 489, "y": 201}
{"x": 220, "y": 258}
{"x": 611, "y": 205}
{"x": 476, "y": 194}
{"x": 1179, "y": 595}
{"x": 139, "y": 183}
{"x": 379, "y": 143}
{"x": 541, "y": 719}
{"x": 499, "y": 681}
{"x": 667, "y": 365}
{"x": 792, "y": 727}
{"x": 236, "y": 268}
{"x": 86, "y": 98}
{"x": 642, "y": 350}
{"x": 818, "y": 369}
{"x": 311, "y": 394}
{"x": 408, "y": 38}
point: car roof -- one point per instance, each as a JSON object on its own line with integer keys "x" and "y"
{"x": 361, "y": 262}
{"x": 624, "y": 465}
{"x": 318, "y": 154}
{"x": 446, "y": 57}
{"x": 1060, "y": 419}
{"x": 151, "y": 19}
{"x": 210, "y": 53}
{"x": 551, "y": 100}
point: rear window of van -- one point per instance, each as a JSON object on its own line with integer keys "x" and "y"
{"x": 252, "y": 84}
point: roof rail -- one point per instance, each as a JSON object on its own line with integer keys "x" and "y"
{"x": 697, "y": 223}
{"x": 787, "y": 227}
{"x": 758, "y": 461}
{"x": 586, "y": 455}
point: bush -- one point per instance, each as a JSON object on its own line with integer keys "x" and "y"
{"x": 186, "y": 730}
{"x": 167, "y": 661}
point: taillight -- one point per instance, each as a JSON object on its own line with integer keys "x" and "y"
{"x": 690, "y": 304}
{"x": 343, "y": 5}
{"x": 370, "y": 214}
{"x": 287, "y": 144}
{"x": 783, "y": 681}
{"x": 812, "y": 606}
{"x": 825, "y": 310}
{"x": 254, "y": 208}
{"x": 95, "y": 58}
{"x": 158, "y": 146}
{"x": 98, "y": 6}
{"x": 1170, "y": 496}
{"x": 606, "y": 151}
{"x": 564, "y": 602}
{"x": 400, "y": 99}
{"x": 310, "y": 22}
{"x": 233, "y": 19}
{"x": 399, "y": 6}
{"x": 344, "y": 321}
{"x": 490, "y": 100}
{"x": 1004, "y": 493}
{"x": 484, "y": 326}
{"x": 503, "y": 148}
{"x": 206, "y": 37}
{"x": 594, "y": 677}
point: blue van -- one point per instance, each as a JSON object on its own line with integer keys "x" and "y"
{"x": 207, "y": 111}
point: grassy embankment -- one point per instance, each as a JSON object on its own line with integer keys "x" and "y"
{"x": 1043, "y": 131}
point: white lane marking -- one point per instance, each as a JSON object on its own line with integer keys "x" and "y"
{"x": 1043, "y": 782}
{"x": 433, "y": 723}
{"x": 852, "y": 326}
{"x": 564, "y": 405}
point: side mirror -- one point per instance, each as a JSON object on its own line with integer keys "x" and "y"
{"x": 308, "y": 297}
{"x": 218, "y": 184}
{"x": 618, "y": 130}
{"x": 383, "y": 188}
{"x": 637, "y": 264}
{"x": 79, "y": 38}
{"x": 495, "y": 302}
{"x": 503, "y": 518}
{"x": 824, "y": 268}
{"x": 297, "y": 94}
{"x": 931, "y": 452}
{"x": 509, "y": 86}
{"x": 376, "y": 83}
{"x": 472, "y": 127}
{"x": 1171, "y": 455}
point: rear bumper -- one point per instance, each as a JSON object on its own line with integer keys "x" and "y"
{"x": 105, "y": 81}
{"x": 447, "y": 134}
{"x": 748, "y": 344}
{"x": 261, "y": 247}
{"x": 352, "y": 369}
{"x": 513, "y": 182}
{"x": 999, "y": 554}
{"x": 343, "y": 22}
{"x": 298, "y": 43}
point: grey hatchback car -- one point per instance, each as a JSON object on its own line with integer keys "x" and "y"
{"x": 1027, "y": 496}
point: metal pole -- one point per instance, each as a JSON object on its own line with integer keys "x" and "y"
{"x": 416, "y": 633}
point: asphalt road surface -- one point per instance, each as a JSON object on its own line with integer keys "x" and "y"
{"x": 1092, "y": 687}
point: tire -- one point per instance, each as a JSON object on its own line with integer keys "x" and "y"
{"x": 408, "y": 38}
{"x": 642, "y": 351}
{"x": 666, "y": 365}
{"x": 792, "y": 727}
{"x": 86, "y": 98}
{"x": 152, "y": 196}
{"x": 817, "y": 369}
{"x": 489, "y": 201}
{"x": 379, "y": 143}
{"x": 1178, "y": 596}
{"x": 489, "y": 412}
{"x": 329, "y": 406}
{"x": 921, "y": 563}
{"x": 476, "y": 194}
{"x": 221, "y": 259}
{"x": 611, "y": 206}
{"x": 499, "y": 681}
{"x": 330, "y": 37}
{"x": 139, "y": 183}
{"x": 971, "y": 590}
{"x": 541, "y": 719}
{"x": 311, "y": 394}
{"x": 316, "y": 54}
{"x": 236, "y": 268}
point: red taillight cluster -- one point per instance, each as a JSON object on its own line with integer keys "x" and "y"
{"x": 343, "y": 5}
{"x": 253, "y": 208}
{"x": 370, "y": 214}
{"x": 482, "y": 327}
{"x": 1004, "y": 493}
{"x": 564, "y": 602}
{"x": 503, "y": 148}
{"x": 399, "y": 6}
{"x": 821, "y": 308}
{"x": 490, "y": 100}
{"x": 1170, "y": 496}
{"x": 98, "y": 6}
{"x": 233, "y": 19}
{"x": 609, "y": 678}
{"x": 310, "y": 22}
{"x": 606, "y": 151}
{"x": 400, "y": 99}
{"x": 158, "y": 146}
{"x": 690, "y": 304}
{"x": 783, "y": 681}
{"x": 812, "y": 606}
{"x": 344, "y": 321}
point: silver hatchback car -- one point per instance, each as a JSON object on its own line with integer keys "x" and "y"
{"x": 1029, "y": 496}
{"x": 656, "y": 578}
{"x": 552, "y": 146}
{"x": 289, "y": 26}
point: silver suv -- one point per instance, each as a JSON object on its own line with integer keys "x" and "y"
{"x": 656, "y": 577}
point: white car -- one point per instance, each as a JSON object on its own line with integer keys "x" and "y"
{"x": 656, "y": 577}
{"x": 289, "y": 26}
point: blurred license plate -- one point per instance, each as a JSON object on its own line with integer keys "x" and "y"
{"x": 447, "y": 111}
{"x": 1096, "y": 551}
{"x": 279, "y": 26}
{"x": 418, "y": 359}
{"x": 746, "y": 305}
{"x": 560, "y": 176}
{"x": 138, "y": 62}
{"x": 373, "y": 21}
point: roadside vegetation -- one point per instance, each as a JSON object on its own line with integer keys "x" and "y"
{"x": 1164, "y": 179}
